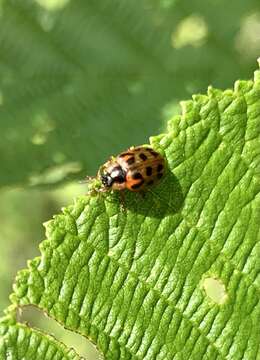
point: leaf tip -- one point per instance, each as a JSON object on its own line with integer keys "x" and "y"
{"x": 186, "y": 106}
{"x": 243, "y": 86}
{"x": 213, "y": 93}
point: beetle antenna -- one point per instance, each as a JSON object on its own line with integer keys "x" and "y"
{"x": 86, "y": 180}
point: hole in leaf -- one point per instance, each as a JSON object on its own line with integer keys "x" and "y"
{"x": 35, "y": 318}
{"x": 215, "y": 290}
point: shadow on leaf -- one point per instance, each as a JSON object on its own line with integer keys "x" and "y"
{"x": 159, "y": 201}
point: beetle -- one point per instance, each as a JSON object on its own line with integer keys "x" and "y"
{"x": 136, "y": 169}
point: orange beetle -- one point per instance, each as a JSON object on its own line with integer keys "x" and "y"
{"x": 136, "y": 169}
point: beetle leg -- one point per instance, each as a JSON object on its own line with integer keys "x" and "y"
{"x": 142, "y": 194}
{"x": 102, "y": 190}
{"x": 122, "y": 200}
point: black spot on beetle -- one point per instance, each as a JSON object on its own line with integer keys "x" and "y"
{"x": 125, "y": 154}
{"x": 143, "y": 156}
{"x": 155, "y": 154}
{"x": 138, "y": 185}
{"x": 137, "y": 176}
{"x": 149, "y": 171}
{"x": 130, "y": 161}
{"x": 159, "y": 175}
{"x": 151, "y": 151}
{"x": 120, "y": 179}
{"x": 159, "y": 167}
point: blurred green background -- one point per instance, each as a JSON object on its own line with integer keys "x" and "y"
{"x": 81, "y": 80}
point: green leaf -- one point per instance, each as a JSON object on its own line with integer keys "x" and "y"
{"x": 139, "y": 282}
{"x": 79, "y": 80}
{"x": 20, "y": 342}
